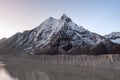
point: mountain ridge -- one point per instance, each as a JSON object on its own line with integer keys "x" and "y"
{"x": 58, "y": 36}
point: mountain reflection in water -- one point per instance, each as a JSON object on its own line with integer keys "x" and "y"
{"x": 21, "y": 72}
{"x": 39, "y": 71}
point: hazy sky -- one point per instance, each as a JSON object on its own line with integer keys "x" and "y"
{"x": 101, "y": 16}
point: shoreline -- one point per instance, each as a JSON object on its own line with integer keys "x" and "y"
{"x": 99, "y": 61}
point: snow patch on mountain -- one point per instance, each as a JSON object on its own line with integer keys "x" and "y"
{"x": 116, "y": 40}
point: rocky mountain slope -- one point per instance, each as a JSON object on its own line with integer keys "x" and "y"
{"x": 3, "y": 39}
{"x": 59, "y": 36}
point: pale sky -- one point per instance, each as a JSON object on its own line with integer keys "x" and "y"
{"x": 100, "y": 16}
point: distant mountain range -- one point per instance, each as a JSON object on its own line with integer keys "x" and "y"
{"x": 60, "y": 36}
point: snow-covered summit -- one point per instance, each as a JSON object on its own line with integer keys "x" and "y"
{"x": 64, "y": 17}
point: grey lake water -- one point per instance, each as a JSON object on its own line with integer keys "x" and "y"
{"x": 39, "y": 71}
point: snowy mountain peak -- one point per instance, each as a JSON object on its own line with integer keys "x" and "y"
{"x": 114, "y": 37}
{"x": 55, "y": 36}
{"x": 64, "y": 17}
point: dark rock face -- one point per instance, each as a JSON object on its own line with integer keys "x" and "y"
{"x": 115, "y": 49}
{"x": 99, "y": 49}
{"x": 54, "y": 37}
